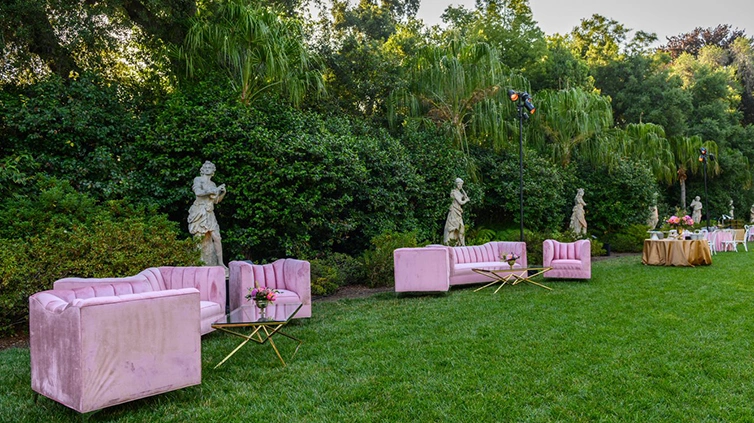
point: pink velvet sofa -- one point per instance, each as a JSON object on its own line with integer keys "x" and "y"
{"x": 435, "y": 268}
{"x": 208, "y": 280}
{"x": 110, "y": 343}
{"x": 569, "y": 260}
{"x": 291, "y": 277}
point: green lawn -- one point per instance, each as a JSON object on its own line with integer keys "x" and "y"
{"x": 634, "y": 344}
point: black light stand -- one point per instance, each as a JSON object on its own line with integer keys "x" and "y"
{"x": 703, "y": 157}
{"x": 522, "y": 101}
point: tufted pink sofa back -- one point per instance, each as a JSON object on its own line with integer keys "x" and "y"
{"x": 567, "y": 251}
{"x": 489, "y": 252}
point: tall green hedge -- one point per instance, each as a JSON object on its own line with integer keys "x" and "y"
{"x": 54, "y": 232}
{"x": 299, "y": 183}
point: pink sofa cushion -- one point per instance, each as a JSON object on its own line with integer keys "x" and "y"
{"x": 74, "y": 283}
{"x": 566, "y": 264}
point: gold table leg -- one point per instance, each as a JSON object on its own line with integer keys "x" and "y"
{"x": 528, "y": 279}
{"x": 256, "y": 336}
{"x": 504, "y": 280}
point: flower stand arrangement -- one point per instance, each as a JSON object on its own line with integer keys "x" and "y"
{"x": 262, "y": 297}
{"x": 510, "y": 258}
{"x": 680, "y": 223}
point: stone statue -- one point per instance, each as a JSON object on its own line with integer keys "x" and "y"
{"x": 454, "y": 229}
{"x": 696, "y": 210}
{"x": 578, "y": 219}
{"x": 731, "y": 210}
{"x": 654, "y": 216}
{"x": 201, "y": 220}
{"x": 751, "y": 214}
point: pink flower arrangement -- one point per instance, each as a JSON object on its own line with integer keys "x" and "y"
{"x": 683, "y": 222}
{"x": 261, "y": 293}
{"x": 510, "y": 257}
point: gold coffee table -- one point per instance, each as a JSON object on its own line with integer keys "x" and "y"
{"x": 264, "y": 325}
{"x": 505, "y": 275}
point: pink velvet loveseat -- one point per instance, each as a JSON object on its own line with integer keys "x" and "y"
{"x": 435, "y": 268}
{"x": 208, "y": 280}
{"x": 290, "y": 277}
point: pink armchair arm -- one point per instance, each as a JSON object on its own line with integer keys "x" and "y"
{"x": 298, "y": 278}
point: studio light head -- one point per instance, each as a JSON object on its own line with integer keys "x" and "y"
{"x": 528, "y": 104}
{"x": 704, "y": 155}
{"x": 524, "y": 97}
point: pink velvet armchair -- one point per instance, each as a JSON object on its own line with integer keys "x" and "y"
{"x": 290, "y": 277}
{"x": 569, "y": 260}
{"x": 98, "y": 346}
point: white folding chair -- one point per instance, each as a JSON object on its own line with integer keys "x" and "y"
{"x": 711, "y": 238}
{"x": 739, "y": 237}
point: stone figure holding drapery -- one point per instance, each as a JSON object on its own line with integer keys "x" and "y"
{"x": 654, "y": 215}
{"x": 454, "y": 229}
{"x": 202, "y": 222}
{"x": 578, "y": 217}
{"x": 696, "y": 209}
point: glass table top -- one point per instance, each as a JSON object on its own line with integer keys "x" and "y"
{"x": 250, "y": 314}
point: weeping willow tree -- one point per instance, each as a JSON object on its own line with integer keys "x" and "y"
{"x": 567, "y": 118}
{"x": 461, "y": 86}
{"x": 645, "y": 142}
{"x": 256, "y": 47}
{"x": 670, "y": 160}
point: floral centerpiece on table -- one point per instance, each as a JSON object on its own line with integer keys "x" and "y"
{"x": 261, "y": 295}
{"x": 680, "y": 223}
{"x": 510, "y": 258}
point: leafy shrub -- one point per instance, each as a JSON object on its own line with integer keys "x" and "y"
{"x": 378, "y": 262}
{"x": 324, "y": 277}
{"x": 480, "y": 235}
{"x": 333, "y": 271}
{"x": 617, "y": 198}
{"x": 544, "y": 190}
{"x": 629, "y": 240}
{"x": 81, "y": 126}
{"x": 113, "y": 239}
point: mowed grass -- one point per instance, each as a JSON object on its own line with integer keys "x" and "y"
{"x": 635, "y": 344}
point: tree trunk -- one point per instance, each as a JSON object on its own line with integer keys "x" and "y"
{"x": 682, "y": 180}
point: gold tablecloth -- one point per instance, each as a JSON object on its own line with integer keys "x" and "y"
{"x": 666, "y": 252}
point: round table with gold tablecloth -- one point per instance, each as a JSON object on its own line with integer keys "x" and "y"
{"x": 666, "y": 252}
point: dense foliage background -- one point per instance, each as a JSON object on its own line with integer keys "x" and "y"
{"x": 339, "y": 134}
